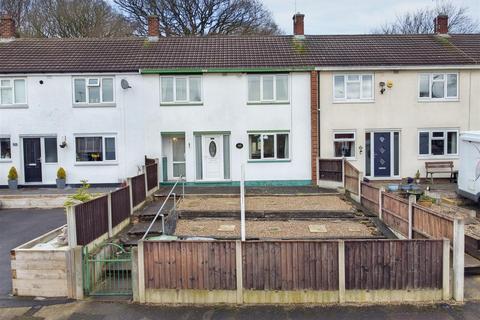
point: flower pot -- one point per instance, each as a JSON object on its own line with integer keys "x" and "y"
{"x": 60, "y": 183}
{"x": 13, "y": 184}
{"x": 417, "y": 181}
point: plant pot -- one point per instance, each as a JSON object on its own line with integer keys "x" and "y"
{"x": 417, "y": 181}
{"x": 60, "y": 183}
{"x": 13, "y": 184}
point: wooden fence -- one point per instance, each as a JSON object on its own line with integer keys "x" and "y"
{"x": 91, "y": 220}
{"x": 330, "y": 169}
{"x": 120, "y": 203}
{"x": 151, "y": 171}
{"x": 139, "y": 193}
{"x": 395, "y": 213}
{"x": 352, "y": 178}
{"x": 430, "y": 224}
{"x": 370, "y": 197}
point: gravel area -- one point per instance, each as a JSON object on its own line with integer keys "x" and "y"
{"x": 277, "y": 229}
{"x": 272, "y": 203}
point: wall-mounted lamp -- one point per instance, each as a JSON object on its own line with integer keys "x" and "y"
{"x": 64, "y": 143}
{"x": 382, "y": 87}
{"x": 360, "y": 149}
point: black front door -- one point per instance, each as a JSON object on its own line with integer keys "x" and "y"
{"x": 32, "y": 159}
{"x": 381, "y": 154}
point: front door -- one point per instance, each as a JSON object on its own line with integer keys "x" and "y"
{"x": 381, "y": 154}
{"x": 212, "y": 157}
{"x": 32, "y": 159}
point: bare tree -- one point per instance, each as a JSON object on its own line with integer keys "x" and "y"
{"x": 421, "y": 21}
{"x": 67, "y": 18}
{"x": 201, "y": 17}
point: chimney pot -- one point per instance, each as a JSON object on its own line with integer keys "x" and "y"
{"x": 298, "y": 25}
{"x": 441, "y": 24}
{"x": 153, "y": 28}
{"x": 7, "y": 27}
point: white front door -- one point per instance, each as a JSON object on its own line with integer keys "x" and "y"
{"x": 212, "y": 157}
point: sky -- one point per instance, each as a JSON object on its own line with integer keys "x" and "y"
{"x": 349, "y": 16}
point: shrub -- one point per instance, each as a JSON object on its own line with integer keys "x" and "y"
{"x": 417, "y": 174}
{"x": 61, "y": 174}
{"x": 82, "y": 195}
{"x": 12, "y": 174}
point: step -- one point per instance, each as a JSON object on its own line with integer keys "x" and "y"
{"x": 472, "y": 265}
{"x": 141, "y": 227}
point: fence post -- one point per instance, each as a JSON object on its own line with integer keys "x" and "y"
{"x": 130, "y": 194}
{"x": 135, "y": 274}
{"x": 343, "y": 172}
{"x": 239, "y": 270}
{"x": 458, "y": 258}
{"x": 380, "y": 205}
{"x": 78, "y": 267}
{"x": 110, "y": 228}
{"x": 446, "y": 269}
{"x": 242, "y": 202}
{"x": 145, "y": 179}
{"x": 71, "y": 227}
{"x": 141, "y": 272}
{"x": 360, "y": 178}
{"x": 341, "y": 271}
{"x": 411, "y": 200}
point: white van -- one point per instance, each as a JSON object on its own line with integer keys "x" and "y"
{"x": 469, "y": 171}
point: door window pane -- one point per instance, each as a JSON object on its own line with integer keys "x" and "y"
{"x": 167, "y": 89}
{"x": 424, "y": 86}
{"x": 267, "y": 87}
{"x": 396, "y": 153}
{"x": 452, "y": 85}
{"x": 452, "y": 142}
{"x": 20, "y": 94}
{"x": 423, "y": 142}
{"x": 178, "y": 148}
{"x": 282, "y": 88}
{"x": 253, "y": 88}
{"x": 255, "y": 146}
{"x": 5, "y": 149}
{"x": 339, "y": 87}
{"x": 282, "y": 146}
{"x": 89, "y": 148}
{"x": 51, "y": 155}
{"x": 80, "y": 93}
{"x": 181, "y": 89}
{"x": 110, "y": 149}
{"x": 367, "y": 83}
{"x": 178, "y": 170}
{"x": 107, "y": 90}
{"x": 368, "y": 155}
{"x": 195, "y": 89}
{"x": 94, "y": 94}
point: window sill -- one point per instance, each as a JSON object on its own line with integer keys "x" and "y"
{"x": 182, "y": 104}
{"x": 268, "y": 103}
{"x": 446, "y": 157}
{"x": 353, "y": 101}
{"x": 6, "y": 161}
{"x": 14, "y": 106}
{"x": 269, "y": 161}
{"x": 95, "y": 163}
{"x": 346, "y": 158}
{"x": 94, "y": 105}
{"x": 437, "y": 100}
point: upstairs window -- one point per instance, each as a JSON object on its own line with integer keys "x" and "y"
{"x": 438, "y": 142}
{"x": 268, "y": 146}
{"x": 92, "y": 91}
{"x": 181, "y": 90}
{"x": 268, "y": 88}
{"x": 438, "y": 86}
{"x": 95, "y": 149}
{"x": 353, "y": 87}
{"x": 12, "y": 92}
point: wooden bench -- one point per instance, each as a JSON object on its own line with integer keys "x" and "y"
{"x": 439, "y": 167}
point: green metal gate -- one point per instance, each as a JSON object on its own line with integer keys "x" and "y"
{"x": 108, "y": 272}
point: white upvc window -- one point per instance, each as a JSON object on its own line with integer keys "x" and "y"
{"x": 344, "y": 144}
{"x": 13, "y": 91}
{"x": 5, "y": 148}
{"x": 438, "y": 86}
{"x": 353, "y": 88}
{"x": 181, "y": 90}
{"x": 438, "y": 142}
{"x": 96, "y": 148}
{"x": 269, "y": 146}
{"x": 91, "y": 91}
{"x": 268, "y": 88}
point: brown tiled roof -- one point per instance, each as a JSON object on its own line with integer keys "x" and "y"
{"x": 132, "y": 54}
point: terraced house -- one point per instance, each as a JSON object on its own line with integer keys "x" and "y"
{"x": 206, "y": 105}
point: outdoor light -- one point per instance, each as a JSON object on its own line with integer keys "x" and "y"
{"x": 64, "y": 143}
{"x": 382, "y": 87}
{"x": 360, "y": 149}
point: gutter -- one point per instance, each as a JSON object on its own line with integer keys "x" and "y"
{"x": 400, "y": 67}
{"x": 225, "y": 70}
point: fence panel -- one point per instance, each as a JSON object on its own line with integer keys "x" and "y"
{"x": 330, "y": 169}
{"x": 393, "y": 264}
{"x": 91, "y": 220}
{"x": 352, "y": 178}
{"x": 138, "y": 189}
{"x": 395, "y": 213}
{"x": 370, "y": 196}
{"x": 200, "y": 265}
{"x": 290, "y": 265}
{"x": 120, "y": 205}
{"x": 430, "y": 224}
{"x": 152, "y": 176}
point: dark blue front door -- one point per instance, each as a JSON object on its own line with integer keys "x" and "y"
{"x": 381, "y": 154}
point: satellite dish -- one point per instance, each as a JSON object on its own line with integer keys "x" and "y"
{"x": 124, "y": 84}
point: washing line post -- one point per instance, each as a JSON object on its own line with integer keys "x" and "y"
{"x": 242, "y": 202}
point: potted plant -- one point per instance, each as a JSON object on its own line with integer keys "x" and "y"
{"x": 417, "y": 177}
{"x": 61, "y": 178}
{"x": 13, "y": 178}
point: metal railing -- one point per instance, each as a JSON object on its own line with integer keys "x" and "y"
{"x": 159, "y": 212}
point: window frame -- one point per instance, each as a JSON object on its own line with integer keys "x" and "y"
{"x": 14, "y": 104}
{"x": 345, "y": 98}
{"x": 275, "y": 100}
{"x": 354, "y": 139}
{"x": 275, "y": 146}
{"x": 99, "y": 84}
{"x": 430, "y": 132}
{"x": 10, "y": 142}
{"x": 445, "y": 86}
{"x": 104, "y": 161}
{"x": 188, "y": 101}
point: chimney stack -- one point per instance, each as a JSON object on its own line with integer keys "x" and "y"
{"x": 7, "y": 27}
{"x": 298, "y": 26}
{"x": 153, "y": 28}
{"x": 441, "y": 24}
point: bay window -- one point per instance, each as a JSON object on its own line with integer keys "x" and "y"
{"x": 95, "y": 148}
{"x": 438, "y": 86}
{"x": 181, "y": 89}
{"x": 353, "y": 87}
{"x": 93, "y": 91}
{"x": 438, "y": 142}
{"x": 267, "y": 88}
{"x": 268, "y": 146}
{"x": 13, "y": 92}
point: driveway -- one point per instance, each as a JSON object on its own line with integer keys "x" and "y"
{"x": 18, "y": 226}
